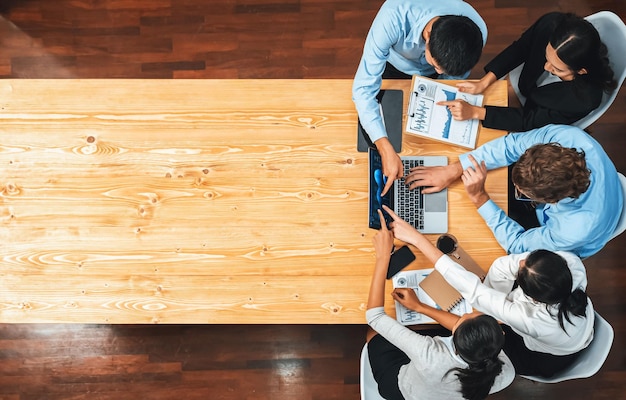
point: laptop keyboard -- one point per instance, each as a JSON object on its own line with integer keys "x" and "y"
{"x": 410, "y": 203}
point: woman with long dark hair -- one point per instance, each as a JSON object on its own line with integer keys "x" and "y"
{"x": 551, "y": 284}
{"x": 539, "y": 296}
{"x": 566, "y": 70}
{"x": 411, "y": 365}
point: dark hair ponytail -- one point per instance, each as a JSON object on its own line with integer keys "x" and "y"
{"x": 576, "y": 304}
{"x": 478, "y": 342}
{"x": 546, "y": 278}
{"x": 578, "y": 44}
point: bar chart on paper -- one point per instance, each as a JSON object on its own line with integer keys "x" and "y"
{"x": 428, "y": 119}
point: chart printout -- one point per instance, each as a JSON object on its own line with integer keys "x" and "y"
{"x": 411, "y": 279}
{"x": 426, "y": 118}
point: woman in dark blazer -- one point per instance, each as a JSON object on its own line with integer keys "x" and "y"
{"x": 566, "y": 70}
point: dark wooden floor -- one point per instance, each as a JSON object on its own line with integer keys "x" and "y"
{"x": 244, "y": 39}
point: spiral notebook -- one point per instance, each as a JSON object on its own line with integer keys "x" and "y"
{"x": 436, "y": 286}
{"x": 411, "y": 279}
{"x": 441, "y": 291}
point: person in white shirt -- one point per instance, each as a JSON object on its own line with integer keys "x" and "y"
{"x": 469, "y": 364}
{"x": 539, "y": 295}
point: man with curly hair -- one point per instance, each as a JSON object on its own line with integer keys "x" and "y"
{"x": 569, "y": 183}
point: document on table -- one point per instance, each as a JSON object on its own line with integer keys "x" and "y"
{"x": 411, "y": 279}
{"x": 427, "y": 119}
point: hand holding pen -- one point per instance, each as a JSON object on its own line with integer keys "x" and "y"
{"x": 408, "y": 298}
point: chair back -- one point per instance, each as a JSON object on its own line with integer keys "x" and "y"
{"x": 621, "y": 224}
{"x": 612, "y": 31}
{"x": 369, "y": 387}
{"x": 590, "y": 359}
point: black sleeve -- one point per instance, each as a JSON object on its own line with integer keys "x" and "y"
{"x": 524, "y": 119}
{"x": 556, "y": 103}
{"x": 531, "y": 45}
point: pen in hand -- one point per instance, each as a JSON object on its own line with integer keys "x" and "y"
{"x": 398, "y": 294}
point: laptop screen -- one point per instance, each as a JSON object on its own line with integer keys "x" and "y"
{"x": 377, "y": 183}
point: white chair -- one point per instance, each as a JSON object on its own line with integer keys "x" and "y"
{"x": 621, "y": 224}
{"x": 369, "y": 387}
{"x": 613, "y": 33}
{"x": 591, "y": 359}
{"x": 514, "y": 80}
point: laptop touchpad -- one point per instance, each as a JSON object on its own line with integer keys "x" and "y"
{"x": 436, "y": 202}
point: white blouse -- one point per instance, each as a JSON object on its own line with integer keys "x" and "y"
{"x": 535, "y": 322}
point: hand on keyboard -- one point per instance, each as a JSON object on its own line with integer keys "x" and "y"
{"x": 433, "y": 179}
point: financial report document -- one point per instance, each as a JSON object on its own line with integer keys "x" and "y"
{"x": 427, "y": 119}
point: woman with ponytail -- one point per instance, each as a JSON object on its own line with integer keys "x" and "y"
{"x": 478, "y": 341}
{"x": 566, "y": 70}
{"x": 554, "y": 283}
{"x": 422, "y": 365}
{"x": 540, "y": 296}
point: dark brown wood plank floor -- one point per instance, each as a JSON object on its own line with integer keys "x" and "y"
{"x": 244, "y": 39}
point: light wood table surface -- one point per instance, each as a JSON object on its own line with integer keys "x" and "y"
{"x": 196, "y": 201}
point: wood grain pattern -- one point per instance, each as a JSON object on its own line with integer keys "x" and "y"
{"x": 186, "y": 201}
{"x": 139, "y": 39}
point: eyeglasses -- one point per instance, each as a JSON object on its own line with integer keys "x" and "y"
{"x": 521, "y": 196}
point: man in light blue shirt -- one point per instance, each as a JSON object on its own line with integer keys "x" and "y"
{"x": 435, "y": 38}
{"x": 565, "y": 171}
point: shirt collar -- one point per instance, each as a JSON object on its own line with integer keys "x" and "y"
{"x": 447, "y": 341}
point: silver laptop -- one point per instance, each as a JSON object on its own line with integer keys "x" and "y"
{"x": 428, "y": 213}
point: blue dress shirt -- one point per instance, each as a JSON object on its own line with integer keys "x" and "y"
{"x": 583, "y": 225}
{"x": 396, "y": 36}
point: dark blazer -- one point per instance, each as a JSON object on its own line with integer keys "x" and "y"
{"x": 561, "y": 102}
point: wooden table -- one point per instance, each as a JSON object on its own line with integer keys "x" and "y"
{"x": 196, "y": 201}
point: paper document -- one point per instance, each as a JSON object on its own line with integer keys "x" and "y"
{"x": 411, "y": 279}
{"x": 426, "y": 118}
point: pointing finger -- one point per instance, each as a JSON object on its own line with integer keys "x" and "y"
{"x": 393, "y": 215}
{"x": 383, "y": 223}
